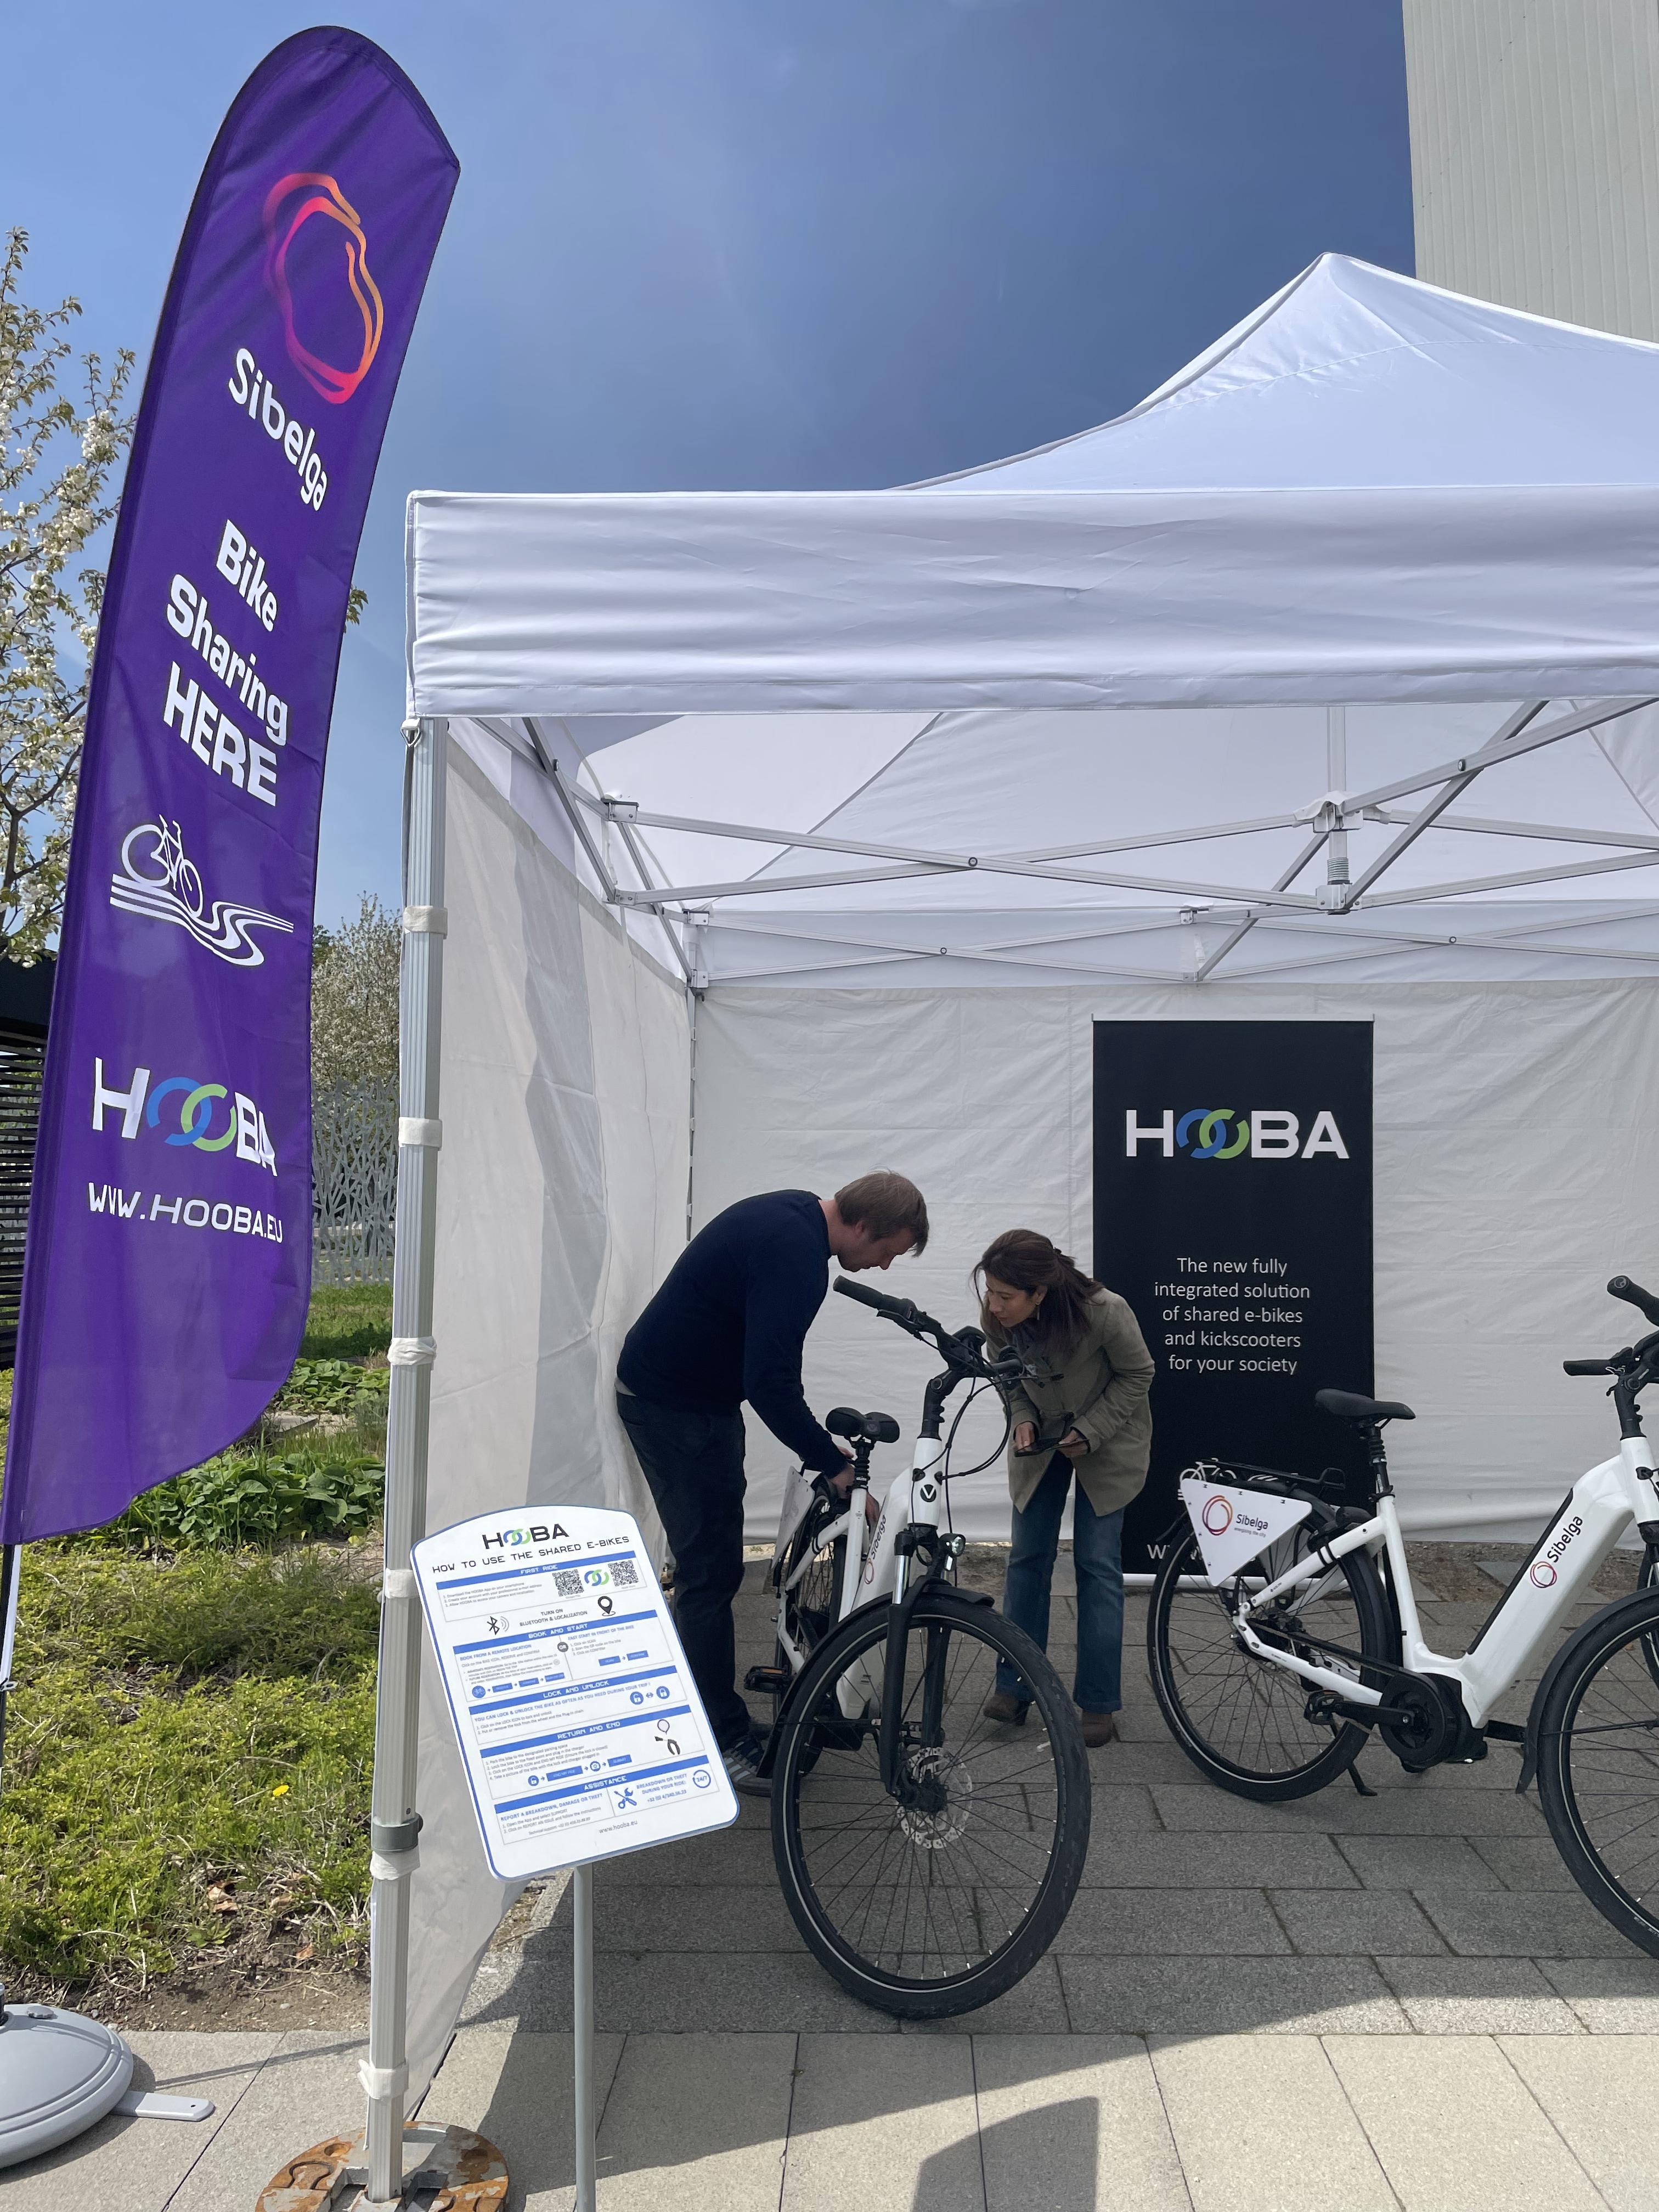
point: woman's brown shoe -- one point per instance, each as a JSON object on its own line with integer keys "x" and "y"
{"x": 1003, "y": 1705}
{"x": 1098, "y": 1728}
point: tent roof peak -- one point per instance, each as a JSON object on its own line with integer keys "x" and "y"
{"x": 1352, "y": 375}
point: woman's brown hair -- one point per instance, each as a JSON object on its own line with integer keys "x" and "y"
{"x": 1026, "y": 1260}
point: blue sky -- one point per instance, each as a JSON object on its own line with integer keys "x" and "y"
{"x": 747, "y": 243}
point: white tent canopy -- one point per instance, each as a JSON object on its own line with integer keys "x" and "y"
{"x": 1334, "y": 647}
{"x": 1322, "y": 684}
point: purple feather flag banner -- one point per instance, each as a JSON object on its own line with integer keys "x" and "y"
{"x": 168, "y": 1266}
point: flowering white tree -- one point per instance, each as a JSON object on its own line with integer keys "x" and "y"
{"x": 57, "y": 459}
{"x": 353, "y": 999}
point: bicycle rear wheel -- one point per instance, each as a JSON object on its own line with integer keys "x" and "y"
{"x": 1243, "y": 1721}
{"x": 810, "y": 1583}
{"x": 934, "y": 1901}
{"x": 1597, "y": 1742}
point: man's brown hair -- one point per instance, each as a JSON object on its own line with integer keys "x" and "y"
{"x": 885, "y": 1204}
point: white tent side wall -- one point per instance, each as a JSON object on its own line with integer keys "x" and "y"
{"x": 566, "y": 1077}
{"x": 1515, "y": 1131}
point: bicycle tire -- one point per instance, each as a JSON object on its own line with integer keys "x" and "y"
{"x": 847, "y": 1799}
{"x": 812, "y": 1608}
{"x": 1599, "y": 1794}
{"x": 1254, "y": 1699}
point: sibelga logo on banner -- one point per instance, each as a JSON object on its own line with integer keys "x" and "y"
{"x": 1251, "y": 1278}
{"x": 181, "y": 1009}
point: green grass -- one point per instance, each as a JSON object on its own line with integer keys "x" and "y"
{"x": 187, "y": 1760}
{"x": 348, "y": 1321}
{"x": 191, "y": 1735}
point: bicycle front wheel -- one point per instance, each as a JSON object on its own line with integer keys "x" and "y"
{"x": 934, "y": 1900}
{"x": 1598, "y": 1740}
{"x": 1243, "y": 1720}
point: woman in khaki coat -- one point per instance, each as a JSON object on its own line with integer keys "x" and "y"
{"x": 1083, "y": 1412}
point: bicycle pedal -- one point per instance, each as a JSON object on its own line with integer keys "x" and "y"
{"x": 772, "y": 1680}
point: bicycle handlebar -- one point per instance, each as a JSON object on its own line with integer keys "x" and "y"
{"x": 1637, "y": 1365}
{"x": 964, "y": 1348}
{"x": 899, "y": 1309}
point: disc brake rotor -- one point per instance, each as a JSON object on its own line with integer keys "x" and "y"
{"x": 934, "y": 1828}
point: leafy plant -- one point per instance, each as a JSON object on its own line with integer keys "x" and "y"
{"x": 256, "y": 1498}
{"x": 334, "y": 1386}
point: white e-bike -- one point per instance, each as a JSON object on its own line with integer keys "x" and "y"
{"x": 928, "y": 1855}
{"x": 1274, "y": 1662}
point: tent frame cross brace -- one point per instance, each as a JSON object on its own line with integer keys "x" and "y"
{"x": 681, "y": 909}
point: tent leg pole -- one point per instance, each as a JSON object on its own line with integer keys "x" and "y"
{"x": 394, "y": 1824}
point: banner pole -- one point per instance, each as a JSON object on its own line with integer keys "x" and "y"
{"x": 11, "y": 1561}
{"x": 394, "y": 1824}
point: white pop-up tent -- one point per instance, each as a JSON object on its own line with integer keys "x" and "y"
{"x": 789, "y": 835}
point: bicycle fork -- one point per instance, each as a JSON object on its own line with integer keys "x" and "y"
{"x": 921, "y": 1536}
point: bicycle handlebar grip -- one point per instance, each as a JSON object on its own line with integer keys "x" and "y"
{"x": 877, "y": 1301}
{"x": 1633, "y": 1294}
{"x": 1585, "y": 1367}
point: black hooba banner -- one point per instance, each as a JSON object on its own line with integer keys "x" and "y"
{"x": 1241, "y": 1233}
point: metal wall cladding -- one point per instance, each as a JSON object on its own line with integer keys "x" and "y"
{"x": 353, "y": 1155}
{"x": 1534, "y": 129}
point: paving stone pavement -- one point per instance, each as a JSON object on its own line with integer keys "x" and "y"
{"x": 1396, "y": 2001}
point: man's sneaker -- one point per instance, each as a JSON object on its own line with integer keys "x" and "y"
{"x": 742, "y": 1761}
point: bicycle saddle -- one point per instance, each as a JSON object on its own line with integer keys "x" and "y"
{"x": 861, "y": 1428}
{"x": 1348, "y": 1406}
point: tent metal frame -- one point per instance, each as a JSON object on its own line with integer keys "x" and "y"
{"x": 684, "y": 909}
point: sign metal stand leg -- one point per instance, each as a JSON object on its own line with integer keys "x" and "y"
{"x": 582, "y": 1893}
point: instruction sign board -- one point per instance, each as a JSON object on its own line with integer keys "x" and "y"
{"x": 580, "y": 1729}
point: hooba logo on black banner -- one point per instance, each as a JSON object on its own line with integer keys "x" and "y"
{"x": 1219, "y": 1133}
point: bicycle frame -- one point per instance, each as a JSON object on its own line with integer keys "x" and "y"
{"x": 876, "y": 1570}
{"x": 1601, "y": 1507}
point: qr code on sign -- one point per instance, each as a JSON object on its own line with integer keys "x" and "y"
{"x": 567, "y": 1582}
{"x": 625, "y": 1573}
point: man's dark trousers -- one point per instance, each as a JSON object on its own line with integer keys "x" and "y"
{"x": 694, "y": 1464}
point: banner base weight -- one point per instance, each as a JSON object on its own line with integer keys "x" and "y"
{"x": 60, "y": 2073}
{"x": 446, "y": 2170}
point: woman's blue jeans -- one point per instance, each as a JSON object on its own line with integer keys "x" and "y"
{"x": 1097, "y": 1558}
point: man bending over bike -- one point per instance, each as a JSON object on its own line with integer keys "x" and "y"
{"x": 728, "y": 1325}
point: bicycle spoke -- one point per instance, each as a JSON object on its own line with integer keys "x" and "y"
{"x": 931, "y": 1883}
{"x": 1247, "y": 1712}
{"x": 1610, "y": 1764}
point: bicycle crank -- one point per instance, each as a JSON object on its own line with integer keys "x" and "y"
{"x": 1435, "y": 1728}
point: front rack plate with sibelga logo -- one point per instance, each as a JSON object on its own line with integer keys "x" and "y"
{"x": 1232, "y": 1525}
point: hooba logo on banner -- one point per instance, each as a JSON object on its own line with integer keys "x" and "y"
{"x": 1220, "y": 1132}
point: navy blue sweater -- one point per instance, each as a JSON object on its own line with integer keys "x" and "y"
{"x": 728, "y": 1322}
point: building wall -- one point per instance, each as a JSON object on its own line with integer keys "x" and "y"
{"x": 1535, "y": 138}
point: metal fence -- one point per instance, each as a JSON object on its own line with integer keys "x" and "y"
{"x": 21, "y": 1058}
{"x": 354, "y": 1163}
